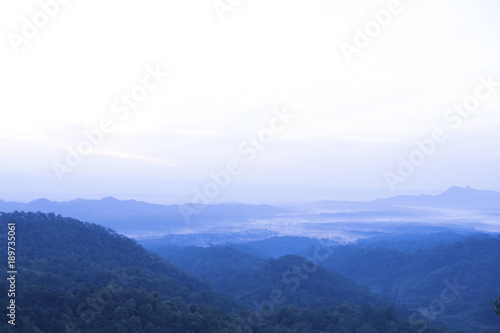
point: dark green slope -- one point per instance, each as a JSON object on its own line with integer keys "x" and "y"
{"x": 250, "y": 279}
{"x": 79, "y": 277}
{"x": 76, "y": 276}
{"x": 291, "y": 294}
{"x": 463, "y": 278}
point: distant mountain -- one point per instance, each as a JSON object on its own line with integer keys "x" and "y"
{"x": 110, "y": 212}
{"x": 414, "y": 240}
{"x": 131, "y": 215}
{"x": 275, "y": 247}
{"x": 205, "y": 239}
{"x": 454, "y": 197}
{"x": 139, "y": 218}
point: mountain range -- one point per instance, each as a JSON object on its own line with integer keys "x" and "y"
{"x": 138, "y": 218}
{"x": 81, "y": 277}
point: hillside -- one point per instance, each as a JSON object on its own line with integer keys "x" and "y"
{"x": 248, "y": 278}
{"x": 418, "y": 278}
{"x": 72, "y": 274}
{"x": 81, "y": 277}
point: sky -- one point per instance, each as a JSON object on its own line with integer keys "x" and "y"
{"x": 247, "y": 100}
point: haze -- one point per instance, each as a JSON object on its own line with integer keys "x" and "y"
{"x": 226, "y": 81}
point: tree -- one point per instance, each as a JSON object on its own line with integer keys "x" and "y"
{"x": 497, "y": 306}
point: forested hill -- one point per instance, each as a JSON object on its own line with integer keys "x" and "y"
{"x": 79, "y": 277}
{"x": 249, "y": 278}
{"x": 462, "y": 275}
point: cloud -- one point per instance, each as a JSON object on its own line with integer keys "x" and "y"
{"x": 145, "y": 159}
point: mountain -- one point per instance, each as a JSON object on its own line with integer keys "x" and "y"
{"x": 75, "y": 276}
{"x": 248, "y": 278}
{"x": 132, "y": 216}
{"x": 455, "y": 282}
{"x": 275, "y": 247}
{"x": 455, "y": 197}
{"x": 458, "y": 209}
{"x": 81, "y": 277}
{"x": 138, "y": 218}
{"x": 291, "y": 287}
{"x": 413, "y": 240}
{"x": 110, "y": 212}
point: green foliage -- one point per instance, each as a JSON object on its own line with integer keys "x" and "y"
{"x": 248, "y": 278}
{"x": 74, "y": 275}
{"x": 420, "y": 278}
{"x": 80, "y": 277}
{"x": 313, "y": 299}
{"x": 345, "y": 318}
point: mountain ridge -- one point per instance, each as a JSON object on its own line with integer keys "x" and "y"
{"x": 452, "y": 191}
{"x": 138, "y": 217}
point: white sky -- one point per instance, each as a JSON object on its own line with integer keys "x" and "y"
{"x": 225, "y": 80}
